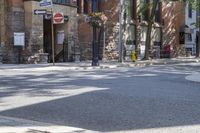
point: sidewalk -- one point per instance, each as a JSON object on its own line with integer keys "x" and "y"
{"x": 86, "y": 65}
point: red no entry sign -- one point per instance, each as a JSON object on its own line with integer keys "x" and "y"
{"x": 58, "y": 18}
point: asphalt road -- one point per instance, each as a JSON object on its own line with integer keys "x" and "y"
{"x": 120, "y": 99}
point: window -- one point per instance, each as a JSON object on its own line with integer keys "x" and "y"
{"x": 86, "y": 6}
{"x": 145, "y": 9}
{"x": 190, "y": 10}
{"x": 79, "y": 8}
{"x": 129, "y": 8}
{"x": 158, "y": 13}
{"x": 95, "y": 5}
{"x": 64, "y": 2}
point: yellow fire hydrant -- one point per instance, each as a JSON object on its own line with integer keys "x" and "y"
{"x": 134, "y": 57}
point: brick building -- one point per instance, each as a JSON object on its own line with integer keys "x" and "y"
{"x": 85, "y": 30}
{"x": 18, "y": 16}
{"x": 174, "y": 27}
{"x": 166, "y": 29}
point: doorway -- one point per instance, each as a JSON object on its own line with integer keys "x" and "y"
{"x": 60, "y": 47}
{"x": 47, "y": 38}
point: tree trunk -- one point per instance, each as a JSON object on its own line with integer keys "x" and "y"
{"x": 150, "y": 23}
{"x": 198, "y": 45}
{"x": 198, "y": 24}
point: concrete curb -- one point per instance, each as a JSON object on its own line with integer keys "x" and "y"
{"x": 87, "y": 65}
{"x": 194, "y": 77}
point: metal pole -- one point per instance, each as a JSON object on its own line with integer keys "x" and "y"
{"x": 95, "y": 61}
{"x": 121, "y": 16}
{"x": 52, "y": 38}
{"x": 95, "y": 58}
{"x": 104, "y": 41}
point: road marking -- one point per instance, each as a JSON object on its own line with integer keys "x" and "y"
{"x": 18, "y": 125}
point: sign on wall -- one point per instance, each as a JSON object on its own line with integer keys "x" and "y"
{"x": 45, "y": 3}
{"x": 60, "y": 37}
{"x": 19, "y": 38}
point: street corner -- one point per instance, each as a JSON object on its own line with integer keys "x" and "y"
{"x": 193, "y": 77}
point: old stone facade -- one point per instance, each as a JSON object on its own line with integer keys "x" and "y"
{"x": 12, "y": 20}
{"x": 18, "y": 16}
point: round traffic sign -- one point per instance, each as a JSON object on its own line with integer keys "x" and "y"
{"x": 58, "y": 18}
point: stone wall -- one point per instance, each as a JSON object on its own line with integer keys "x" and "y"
{"x": 33, "y": 31}
{"x": 14, "y": 23}
{"x": 2, "y": 28}
{"x": 2, "y": 22}
{"x": 34, "y": 28}
{"x": 18, "y": 16}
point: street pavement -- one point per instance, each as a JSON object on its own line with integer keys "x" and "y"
{"x": 116, "y": 98}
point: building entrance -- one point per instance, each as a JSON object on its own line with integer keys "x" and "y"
{"x": 60, "y": 44}
{"x": 48, "y": 38}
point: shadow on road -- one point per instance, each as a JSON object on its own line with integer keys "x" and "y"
{"x": 133, "y": 100}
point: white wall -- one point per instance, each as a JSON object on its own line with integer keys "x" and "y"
{"x": 189, "y": 21}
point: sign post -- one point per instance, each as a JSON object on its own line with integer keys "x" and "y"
{"x": 57, "y": 18}
{"x": 52, "y": 36}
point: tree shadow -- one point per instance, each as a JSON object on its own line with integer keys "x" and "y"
{"x": 133, "y": 100}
